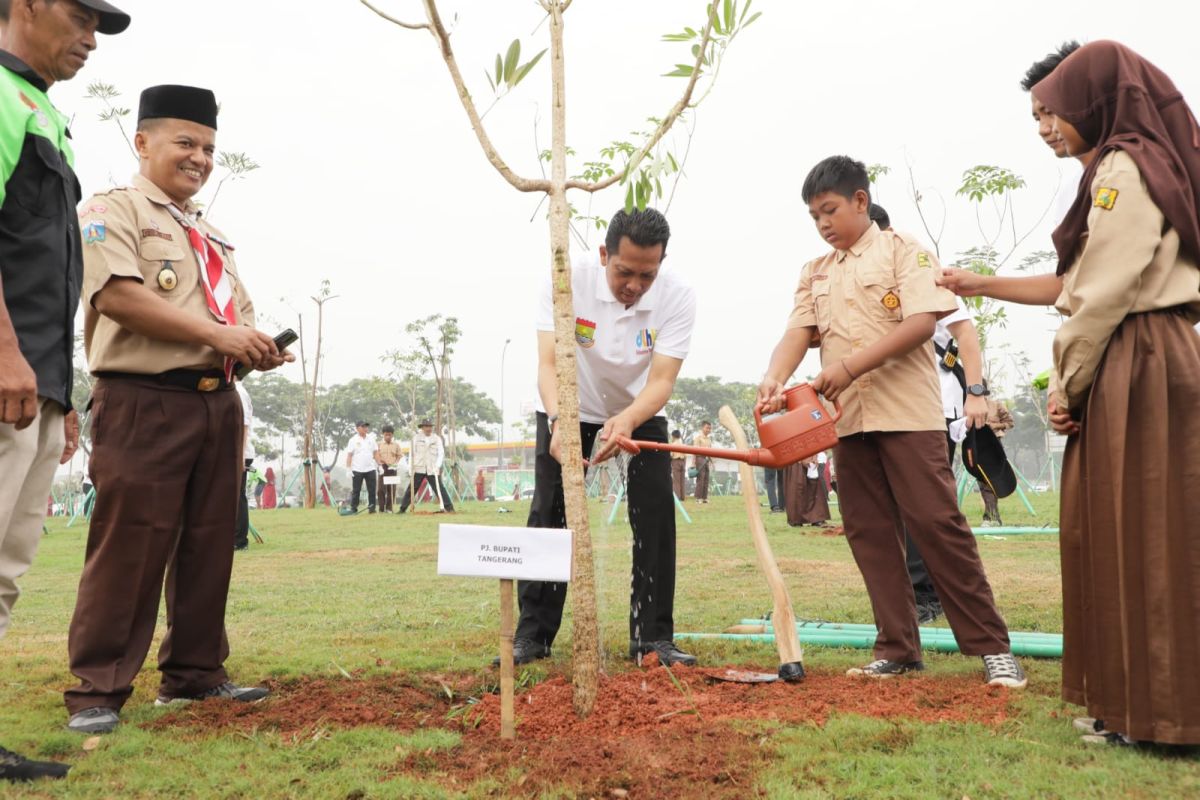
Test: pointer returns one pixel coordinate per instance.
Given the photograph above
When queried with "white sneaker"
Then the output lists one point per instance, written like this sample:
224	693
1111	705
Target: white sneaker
1003	670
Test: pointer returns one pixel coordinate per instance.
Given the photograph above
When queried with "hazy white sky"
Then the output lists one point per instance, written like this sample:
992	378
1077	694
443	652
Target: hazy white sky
372	178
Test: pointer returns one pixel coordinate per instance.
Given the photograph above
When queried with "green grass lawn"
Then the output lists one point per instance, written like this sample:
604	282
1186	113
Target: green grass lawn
334	597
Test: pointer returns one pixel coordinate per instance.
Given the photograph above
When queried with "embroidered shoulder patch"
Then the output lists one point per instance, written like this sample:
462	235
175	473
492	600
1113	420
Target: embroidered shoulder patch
923	260
585	332
1106	198
94	232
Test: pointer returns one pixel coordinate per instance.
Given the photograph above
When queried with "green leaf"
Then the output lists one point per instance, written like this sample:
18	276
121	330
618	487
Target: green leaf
524	70
499	70
745	11
680	71
629	199
491	83
511	59
728	15
753	17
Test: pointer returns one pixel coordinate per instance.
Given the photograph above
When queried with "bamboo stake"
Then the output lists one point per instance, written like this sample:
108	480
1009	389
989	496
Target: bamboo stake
507	725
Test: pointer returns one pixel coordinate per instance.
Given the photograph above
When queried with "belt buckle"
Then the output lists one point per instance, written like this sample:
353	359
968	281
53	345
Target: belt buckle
208	384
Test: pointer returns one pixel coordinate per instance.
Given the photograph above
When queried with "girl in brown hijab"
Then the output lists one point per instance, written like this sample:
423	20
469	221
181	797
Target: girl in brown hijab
1126	389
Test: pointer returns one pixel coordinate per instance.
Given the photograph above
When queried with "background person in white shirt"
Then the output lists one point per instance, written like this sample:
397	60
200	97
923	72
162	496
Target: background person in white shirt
426	464
362	457
241	534
633	327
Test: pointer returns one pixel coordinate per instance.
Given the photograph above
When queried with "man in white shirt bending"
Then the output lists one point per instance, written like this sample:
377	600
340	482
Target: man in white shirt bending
633	327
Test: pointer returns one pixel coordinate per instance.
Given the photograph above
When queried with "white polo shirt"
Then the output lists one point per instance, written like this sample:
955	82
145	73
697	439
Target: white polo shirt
362	451
614	344
952	391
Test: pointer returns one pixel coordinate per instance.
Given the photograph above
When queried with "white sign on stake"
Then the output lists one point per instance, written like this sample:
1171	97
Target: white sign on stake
486	551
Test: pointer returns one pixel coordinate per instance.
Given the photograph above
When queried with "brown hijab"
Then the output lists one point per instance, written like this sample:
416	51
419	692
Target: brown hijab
1118	100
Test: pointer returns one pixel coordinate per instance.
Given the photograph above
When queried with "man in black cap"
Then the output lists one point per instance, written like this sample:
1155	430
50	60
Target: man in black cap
166	318
41	42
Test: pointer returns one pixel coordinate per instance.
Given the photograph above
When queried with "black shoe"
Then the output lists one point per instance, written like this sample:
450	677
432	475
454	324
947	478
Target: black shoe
668	654
928	611
242	546
525	651
886	669
17	768
227	690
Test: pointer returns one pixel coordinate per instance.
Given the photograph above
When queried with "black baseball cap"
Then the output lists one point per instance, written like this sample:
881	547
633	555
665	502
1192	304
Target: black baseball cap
112	19
984	458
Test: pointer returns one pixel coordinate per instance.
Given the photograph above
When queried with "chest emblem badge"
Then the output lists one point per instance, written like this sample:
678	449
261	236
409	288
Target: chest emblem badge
890	301
585	332
168	279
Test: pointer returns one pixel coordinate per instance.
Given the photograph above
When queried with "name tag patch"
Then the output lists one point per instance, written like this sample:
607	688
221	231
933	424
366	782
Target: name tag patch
585	332
1106	198
148	232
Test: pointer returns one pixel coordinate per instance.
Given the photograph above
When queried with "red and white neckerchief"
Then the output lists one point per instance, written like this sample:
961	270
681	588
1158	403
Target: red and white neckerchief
218	290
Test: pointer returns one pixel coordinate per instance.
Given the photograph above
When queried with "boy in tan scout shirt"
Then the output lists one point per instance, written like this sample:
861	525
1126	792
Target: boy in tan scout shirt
871	305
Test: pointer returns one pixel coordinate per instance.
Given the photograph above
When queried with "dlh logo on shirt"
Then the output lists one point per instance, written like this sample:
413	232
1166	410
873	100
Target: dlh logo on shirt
645	340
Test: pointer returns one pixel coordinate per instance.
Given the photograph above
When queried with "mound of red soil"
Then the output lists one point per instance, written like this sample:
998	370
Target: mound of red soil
648	735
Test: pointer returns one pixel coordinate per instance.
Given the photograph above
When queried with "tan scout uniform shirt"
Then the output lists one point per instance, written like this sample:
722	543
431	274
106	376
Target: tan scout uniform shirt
856	297
1128	262
390	453
139	236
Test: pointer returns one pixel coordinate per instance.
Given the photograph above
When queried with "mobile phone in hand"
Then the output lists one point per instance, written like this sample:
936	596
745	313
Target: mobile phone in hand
282	341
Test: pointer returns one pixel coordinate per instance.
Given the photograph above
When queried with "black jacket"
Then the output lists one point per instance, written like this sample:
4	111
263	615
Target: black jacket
41	264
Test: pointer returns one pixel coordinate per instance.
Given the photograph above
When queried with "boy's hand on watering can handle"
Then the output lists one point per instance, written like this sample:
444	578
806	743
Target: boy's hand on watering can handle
770	395
832	381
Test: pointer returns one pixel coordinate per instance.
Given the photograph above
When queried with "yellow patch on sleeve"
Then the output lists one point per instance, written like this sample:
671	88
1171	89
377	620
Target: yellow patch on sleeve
923	260
1106	198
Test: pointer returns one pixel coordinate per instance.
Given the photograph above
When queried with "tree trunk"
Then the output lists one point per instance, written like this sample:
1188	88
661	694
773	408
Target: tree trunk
583	579
310	492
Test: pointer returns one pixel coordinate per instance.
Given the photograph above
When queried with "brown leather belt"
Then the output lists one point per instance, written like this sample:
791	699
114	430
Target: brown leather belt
198	380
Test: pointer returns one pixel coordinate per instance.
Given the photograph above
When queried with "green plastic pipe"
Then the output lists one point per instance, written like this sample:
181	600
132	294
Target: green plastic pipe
864	640
1012	530
925	632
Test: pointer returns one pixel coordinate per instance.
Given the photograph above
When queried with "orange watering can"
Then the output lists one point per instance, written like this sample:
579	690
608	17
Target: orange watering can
804	429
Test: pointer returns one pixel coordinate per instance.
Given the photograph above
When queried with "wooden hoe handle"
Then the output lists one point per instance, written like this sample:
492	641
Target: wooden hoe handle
784	620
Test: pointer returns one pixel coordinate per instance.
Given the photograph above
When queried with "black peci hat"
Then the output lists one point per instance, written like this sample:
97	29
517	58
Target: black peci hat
112	19
425	423
984	458
179	102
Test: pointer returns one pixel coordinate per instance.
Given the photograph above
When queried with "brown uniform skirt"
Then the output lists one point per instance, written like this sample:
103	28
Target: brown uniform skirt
1131	536
805	499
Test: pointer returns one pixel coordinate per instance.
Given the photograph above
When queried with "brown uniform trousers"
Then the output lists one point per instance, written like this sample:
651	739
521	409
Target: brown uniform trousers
166	463
677	473
886	477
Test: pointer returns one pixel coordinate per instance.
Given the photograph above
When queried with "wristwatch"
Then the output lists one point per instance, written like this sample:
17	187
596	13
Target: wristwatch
978	389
